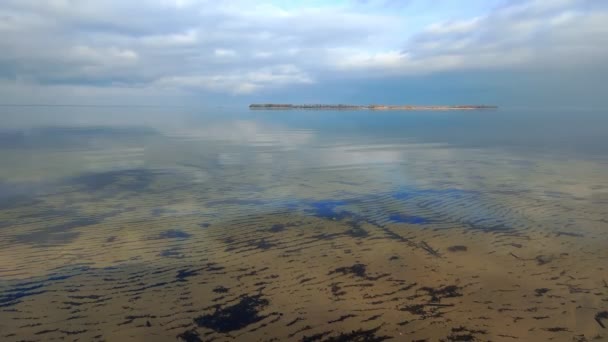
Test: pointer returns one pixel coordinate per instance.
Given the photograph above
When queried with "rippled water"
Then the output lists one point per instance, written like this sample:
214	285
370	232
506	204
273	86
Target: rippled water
159	224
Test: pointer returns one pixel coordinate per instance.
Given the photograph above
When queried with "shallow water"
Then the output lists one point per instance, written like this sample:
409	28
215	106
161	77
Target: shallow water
153	224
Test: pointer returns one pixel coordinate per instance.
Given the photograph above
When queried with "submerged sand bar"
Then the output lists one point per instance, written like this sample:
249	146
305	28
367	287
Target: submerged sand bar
365	107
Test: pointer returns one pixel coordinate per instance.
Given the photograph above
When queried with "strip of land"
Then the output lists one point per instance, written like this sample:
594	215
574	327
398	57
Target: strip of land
365	107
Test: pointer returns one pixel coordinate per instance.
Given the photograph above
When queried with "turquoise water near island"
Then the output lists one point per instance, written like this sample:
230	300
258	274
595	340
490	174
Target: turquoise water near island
159	223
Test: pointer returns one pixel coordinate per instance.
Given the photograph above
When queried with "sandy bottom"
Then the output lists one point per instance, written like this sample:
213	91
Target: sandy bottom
150	256
284	276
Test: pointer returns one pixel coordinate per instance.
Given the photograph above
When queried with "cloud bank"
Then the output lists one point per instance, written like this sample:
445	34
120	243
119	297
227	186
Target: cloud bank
91	48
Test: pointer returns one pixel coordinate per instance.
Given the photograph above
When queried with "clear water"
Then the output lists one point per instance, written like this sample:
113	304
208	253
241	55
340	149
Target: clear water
121	223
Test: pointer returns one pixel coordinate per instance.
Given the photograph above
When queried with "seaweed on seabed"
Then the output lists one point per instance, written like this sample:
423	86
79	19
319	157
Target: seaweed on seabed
415	309
234	317
221	289
359	335
261	244
173	234
357	232
437	294
600	316
342	318
432	251
464	334
556	329
277	228
315	337
183	274
540	292
358	270
457	248
190	336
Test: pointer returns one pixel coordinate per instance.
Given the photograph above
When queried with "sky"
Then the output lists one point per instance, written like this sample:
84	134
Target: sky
208	52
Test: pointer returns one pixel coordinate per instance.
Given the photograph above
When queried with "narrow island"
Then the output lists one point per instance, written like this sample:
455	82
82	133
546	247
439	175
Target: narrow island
265	106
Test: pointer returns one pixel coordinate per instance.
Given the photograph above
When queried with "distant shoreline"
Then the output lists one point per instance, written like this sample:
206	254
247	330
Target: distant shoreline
278	106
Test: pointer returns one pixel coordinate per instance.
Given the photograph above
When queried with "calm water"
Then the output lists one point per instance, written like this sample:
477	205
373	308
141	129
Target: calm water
159	224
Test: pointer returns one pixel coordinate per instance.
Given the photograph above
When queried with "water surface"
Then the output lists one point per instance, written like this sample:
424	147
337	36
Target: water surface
131	223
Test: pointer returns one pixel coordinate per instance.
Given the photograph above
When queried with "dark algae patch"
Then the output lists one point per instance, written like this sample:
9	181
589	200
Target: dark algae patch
414	309
556	329
426	247
234	317
261	244
172	253
183	274
174	234
277	228
221	289
294	321
464	334
357	232
600	317
190	336
437	294
358	270
457	248
359	335
315	337
373	318
569	234
342	318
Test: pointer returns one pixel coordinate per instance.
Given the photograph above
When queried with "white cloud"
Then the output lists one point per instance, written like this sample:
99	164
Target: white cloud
225	53
89	54
523	35
464	26
188	37
262	54
183	44
356	59
239	82
242	47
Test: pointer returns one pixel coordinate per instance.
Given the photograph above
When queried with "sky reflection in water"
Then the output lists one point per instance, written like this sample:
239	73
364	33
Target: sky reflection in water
131	202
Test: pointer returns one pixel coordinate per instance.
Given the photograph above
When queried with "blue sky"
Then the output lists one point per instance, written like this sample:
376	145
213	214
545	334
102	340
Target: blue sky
366	51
